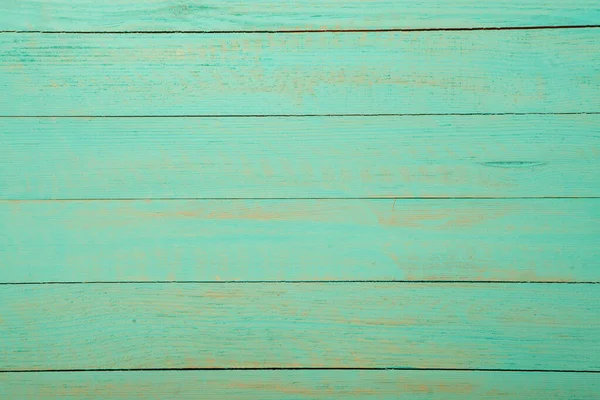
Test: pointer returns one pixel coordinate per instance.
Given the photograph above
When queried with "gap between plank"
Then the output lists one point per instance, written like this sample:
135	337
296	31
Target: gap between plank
300	369
301	282
306	115
288	31
294	198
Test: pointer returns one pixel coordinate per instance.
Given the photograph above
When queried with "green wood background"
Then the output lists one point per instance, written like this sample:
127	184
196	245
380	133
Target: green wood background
304	385
305	199
245	325
332	239
295	157
228	15
524	71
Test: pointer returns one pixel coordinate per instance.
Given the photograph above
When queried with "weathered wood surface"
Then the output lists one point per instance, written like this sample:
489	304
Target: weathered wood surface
545	71
428	156
300	385
165	15
223	325
516	240
120	220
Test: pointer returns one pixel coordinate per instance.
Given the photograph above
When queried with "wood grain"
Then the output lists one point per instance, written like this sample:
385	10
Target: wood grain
433	156
326	73
495	326
165	15
515	240
300	385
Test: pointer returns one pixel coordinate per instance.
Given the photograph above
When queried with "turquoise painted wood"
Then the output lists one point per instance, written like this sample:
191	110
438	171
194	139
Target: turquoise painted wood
425	201
431	156
110	15
264	325
514	240
541	71
301	385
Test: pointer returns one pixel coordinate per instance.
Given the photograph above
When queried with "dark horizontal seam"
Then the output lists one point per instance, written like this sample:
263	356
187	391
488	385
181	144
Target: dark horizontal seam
306	115
298	369
374	198
341	281
292	31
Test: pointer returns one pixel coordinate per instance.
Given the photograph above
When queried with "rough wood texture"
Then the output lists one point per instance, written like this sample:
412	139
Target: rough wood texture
299	385
157	205
437	156
513	239
165	15
496	326
390	72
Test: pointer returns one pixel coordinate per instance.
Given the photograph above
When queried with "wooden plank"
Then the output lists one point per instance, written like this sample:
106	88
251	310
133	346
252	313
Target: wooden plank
303	14
429	156
281	325
165	15
515	240
325	73
300	385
